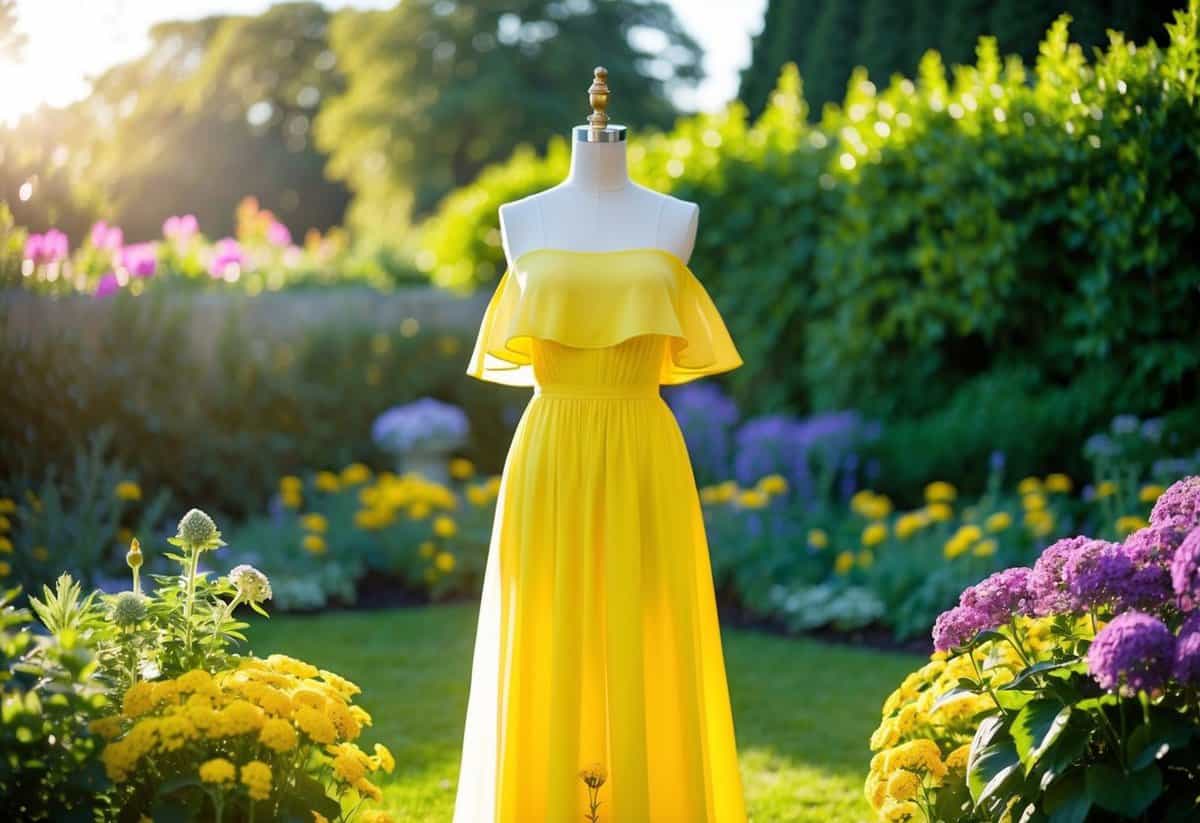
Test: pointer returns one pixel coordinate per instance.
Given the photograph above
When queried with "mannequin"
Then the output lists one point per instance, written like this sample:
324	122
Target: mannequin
597	207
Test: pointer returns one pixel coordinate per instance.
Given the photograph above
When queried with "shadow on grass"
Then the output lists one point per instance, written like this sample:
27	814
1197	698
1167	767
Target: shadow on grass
803	710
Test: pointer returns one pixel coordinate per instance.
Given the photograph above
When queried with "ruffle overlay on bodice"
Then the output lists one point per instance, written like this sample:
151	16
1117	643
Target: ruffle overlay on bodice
599	299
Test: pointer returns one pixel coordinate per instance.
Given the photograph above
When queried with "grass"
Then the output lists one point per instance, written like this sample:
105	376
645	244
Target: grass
803	710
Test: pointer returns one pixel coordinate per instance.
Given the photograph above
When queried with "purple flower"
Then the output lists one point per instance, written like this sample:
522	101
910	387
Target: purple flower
139	259
1135	652
1185	571
104	236
47	248
227	258
180	228
1186	668
1001	596
1047	588
957	627
791	446
705	415
1097	575
278	234
108	285
1155	545
1180	503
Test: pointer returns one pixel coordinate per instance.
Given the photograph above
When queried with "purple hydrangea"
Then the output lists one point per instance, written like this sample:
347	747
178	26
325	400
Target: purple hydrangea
1096	575
1135	652
957	627
1185	571
1186	668
1047	588
1154	545
1000	596
1179	504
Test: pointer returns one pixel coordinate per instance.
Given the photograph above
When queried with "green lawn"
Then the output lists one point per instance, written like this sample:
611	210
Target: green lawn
803	710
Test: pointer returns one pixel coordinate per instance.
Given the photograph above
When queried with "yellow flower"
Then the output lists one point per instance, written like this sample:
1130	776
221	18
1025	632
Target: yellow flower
940	512
7	505
128	490
939	491
348	768
773	484
478	495
445	562
461	468
1150	493
865	558
753	499
419	510
874	534
376	816
360	714
368	789
240	717
444	526
315	724
817	538
218	770
290	484
340	684
107	727
384	759
278	735
315	523
844	563
903	784
427	549
6	545
284	664
956	761
910	523
291	500
920	755
138	699
1058	483
871	505
41	554
1040	522
1033	502
256	776
327	481
985	548
1106	489
998	522
1030	485
355	473
899	811
1129	524
5	524
314	544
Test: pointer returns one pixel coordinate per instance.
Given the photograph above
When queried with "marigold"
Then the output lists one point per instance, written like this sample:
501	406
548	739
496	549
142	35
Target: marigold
289	665
940	491
315	724
874	534
445	562
138	699
384	759
128	490
278	735
773	484
904	785
313	544
343	686
218	770
1058	483
348	768
368	789
314	522
998	522
956	761
256	776
461	468
239	717
939	512
107	727
817	538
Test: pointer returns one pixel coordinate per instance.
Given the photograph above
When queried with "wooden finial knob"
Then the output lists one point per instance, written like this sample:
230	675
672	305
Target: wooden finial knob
598	98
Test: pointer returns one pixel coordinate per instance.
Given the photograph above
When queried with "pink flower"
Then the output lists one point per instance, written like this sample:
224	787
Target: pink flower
226	254
108	285
278	234
105	236
139	259
48	247
181	228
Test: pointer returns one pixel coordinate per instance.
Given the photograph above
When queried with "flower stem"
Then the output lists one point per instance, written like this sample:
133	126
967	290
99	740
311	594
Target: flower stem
988	686
188	601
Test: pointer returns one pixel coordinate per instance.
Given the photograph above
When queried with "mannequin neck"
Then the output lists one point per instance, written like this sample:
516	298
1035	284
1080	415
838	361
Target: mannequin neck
598	166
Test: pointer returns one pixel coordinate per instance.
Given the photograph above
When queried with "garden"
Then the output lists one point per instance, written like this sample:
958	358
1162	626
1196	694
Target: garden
952	497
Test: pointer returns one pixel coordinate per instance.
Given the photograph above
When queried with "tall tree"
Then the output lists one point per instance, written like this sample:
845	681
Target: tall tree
883	44
827	63
436	91
783	25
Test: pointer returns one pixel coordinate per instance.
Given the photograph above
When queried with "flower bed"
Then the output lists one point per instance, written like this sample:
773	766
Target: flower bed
1059	690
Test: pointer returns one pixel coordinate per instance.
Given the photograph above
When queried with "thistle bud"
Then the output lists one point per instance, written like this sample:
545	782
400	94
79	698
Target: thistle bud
134	557
128	609
197	529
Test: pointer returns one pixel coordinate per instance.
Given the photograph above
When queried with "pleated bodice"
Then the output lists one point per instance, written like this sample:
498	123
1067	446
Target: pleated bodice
630	368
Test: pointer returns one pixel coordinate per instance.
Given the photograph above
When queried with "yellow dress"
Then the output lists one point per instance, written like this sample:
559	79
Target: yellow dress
598	641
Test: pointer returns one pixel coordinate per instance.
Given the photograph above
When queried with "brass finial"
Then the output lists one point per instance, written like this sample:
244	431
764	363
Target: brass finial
598	98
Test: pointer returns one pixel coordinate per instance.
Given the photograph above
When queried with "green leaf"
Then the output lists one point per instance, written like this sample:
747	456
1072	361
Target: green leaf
1036	727
1124	794
1069	800
1036	669
993	760
1061	756
950	696
1150	742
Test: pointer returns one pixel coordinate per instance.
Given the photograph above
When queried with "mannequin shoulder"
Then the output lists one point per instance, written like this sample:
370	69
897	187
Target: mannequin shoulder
677	225
520	224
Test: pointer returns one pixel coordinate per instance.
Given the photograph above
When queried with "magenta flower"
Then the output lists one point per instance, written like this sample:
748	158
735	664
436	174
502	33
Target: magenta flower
108	285
278	234
1186	668
1179	504
104	236
1185	571
48	247
139	259
1135	652
227	254
957	627
181	228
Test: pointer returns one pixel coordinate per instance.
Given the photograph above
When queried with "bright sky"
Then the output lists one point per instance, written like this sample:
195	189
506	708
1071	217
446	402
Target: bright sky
70	40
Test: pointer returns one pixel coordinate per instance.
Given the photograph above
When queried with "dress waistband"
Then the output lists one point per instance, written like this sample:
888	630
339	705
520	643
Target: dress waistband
600	392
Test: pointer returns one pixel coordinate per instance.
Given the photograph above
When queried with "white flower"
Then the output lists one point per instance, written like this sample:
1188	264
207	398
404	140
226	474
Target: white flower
251	584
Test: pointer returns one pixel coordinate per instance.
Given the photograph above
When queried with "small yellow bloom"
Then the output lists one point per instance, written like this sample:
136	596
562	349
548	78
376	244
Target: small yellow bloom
874	534
384	758
904	785
445	562
444	526
5	524
290	484
910	523
314	544
1150	493
380	343
327	482
1040	522
1033	502
278	735
1106	489
419	510
844	563
355	473
984	548
5	568
315	522
6	545
256	776
41	554
479	495
128	490
773	484
998	522
753	499
1030	485
1059	483
218	770
865	559
940	491
291	500
7	505
461	468
939	512
427	549
1129	524
817	538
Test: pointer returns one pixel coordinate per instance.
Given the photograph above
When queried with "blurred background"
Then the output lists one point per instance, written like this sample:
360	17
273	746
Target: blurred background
244	249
